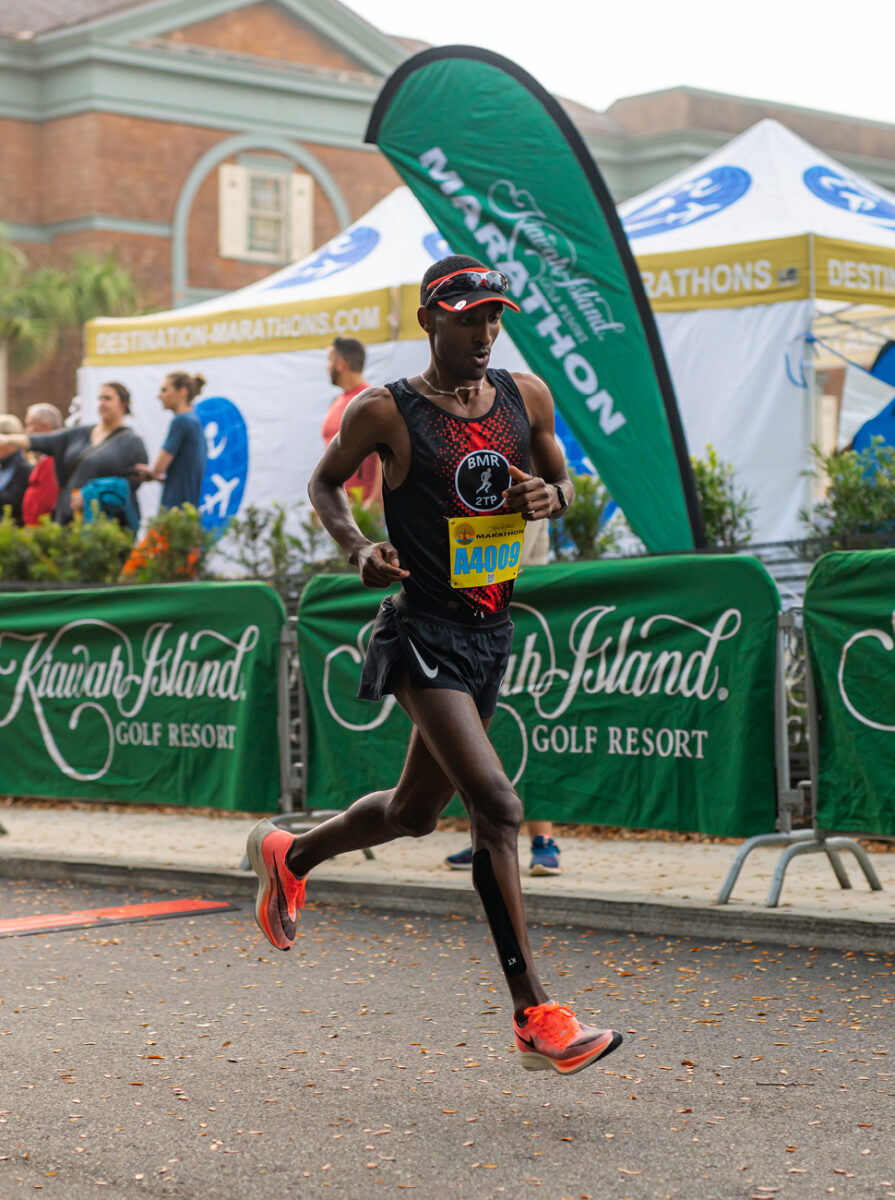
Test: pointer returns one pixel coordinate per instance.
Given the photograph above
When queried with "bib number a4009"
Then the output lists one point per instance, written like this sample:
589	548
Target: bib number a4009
485	549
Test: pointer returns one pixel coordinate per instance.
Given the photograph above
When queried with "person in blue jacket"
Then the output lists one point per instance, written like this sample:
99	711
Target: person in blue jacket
180	464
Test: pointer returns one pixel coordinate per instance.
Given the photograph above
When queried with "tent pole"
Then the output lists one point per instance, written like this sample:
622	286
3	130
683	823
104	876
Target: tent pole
810	374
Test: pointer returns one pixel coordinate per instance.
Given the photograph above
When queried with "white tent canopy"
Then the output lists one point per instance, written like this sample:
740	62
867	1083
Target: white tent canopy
767	183
740	255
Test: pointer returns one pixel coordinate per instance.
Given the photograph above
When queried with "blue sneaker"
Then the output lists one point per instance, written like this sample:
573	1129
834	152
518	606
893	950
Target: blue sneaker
544	857
461	861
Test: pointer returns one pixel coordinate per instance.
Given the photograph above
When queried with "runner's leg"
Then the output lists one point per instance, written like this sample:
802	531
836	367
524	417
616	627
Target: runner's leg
411	809
458	742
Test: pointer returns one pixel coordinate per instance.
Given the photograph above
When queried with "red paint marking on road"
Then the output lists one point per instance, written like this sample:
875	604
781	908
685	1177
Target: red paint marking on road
116	915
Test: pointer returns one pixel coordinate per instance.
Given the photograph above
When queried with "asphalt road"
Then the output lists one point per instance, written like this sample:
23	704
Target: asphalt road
183	1058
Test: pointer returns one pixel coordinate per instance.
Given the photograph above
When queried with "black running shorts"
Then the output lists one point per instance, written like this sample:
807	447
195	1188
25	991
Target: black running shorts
438	654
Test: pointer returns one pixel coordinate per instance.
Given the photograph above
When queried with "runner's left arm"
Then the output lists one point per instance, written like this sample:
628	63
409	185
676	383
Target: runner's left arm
535	495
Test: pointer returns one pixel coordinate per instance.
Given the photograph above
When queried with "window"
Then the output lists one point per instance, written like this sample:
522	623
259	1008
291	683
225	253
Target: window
265	213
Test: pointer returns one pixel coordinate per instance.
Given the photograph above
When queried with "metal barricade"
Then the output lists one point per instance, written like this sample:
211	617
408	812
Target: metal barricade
790	711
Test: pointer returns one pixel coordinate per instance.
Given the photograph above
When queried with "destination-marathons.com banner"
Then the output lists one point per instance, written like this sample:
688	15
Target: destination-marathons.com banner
160	693
301	325
850	627
638	694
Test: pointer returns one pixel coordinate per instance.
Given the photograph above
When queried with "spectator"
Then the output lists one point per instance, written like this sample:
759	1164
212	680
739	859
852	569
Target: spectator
86	452
180	463
14	467
43	488
346	365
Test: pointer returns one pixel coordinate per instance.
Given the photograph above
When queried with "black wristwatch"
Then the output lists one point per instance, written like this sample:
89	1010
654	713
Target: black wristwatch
563	503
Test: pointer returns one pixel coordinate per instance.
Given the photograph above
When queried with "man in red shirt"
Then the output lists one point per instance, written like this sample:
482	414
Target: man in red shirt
40	495
345	365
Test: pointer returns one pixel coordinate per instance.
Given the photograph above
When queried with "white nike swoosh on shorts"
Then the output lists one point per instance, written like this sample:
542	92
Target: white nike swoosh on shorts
429	672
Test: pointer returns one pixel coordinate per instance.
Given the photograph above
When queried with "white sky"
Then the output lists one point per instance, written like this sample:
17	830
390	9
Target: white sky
832	55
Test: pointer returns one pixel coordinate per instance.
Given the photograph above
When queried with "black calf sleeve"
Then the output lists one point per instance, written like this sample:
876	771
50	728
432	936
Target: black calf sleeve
504	935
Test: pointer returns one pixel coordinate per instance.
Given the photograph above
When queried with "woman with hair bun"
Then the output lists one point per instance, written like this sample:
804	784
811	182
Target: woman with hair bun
180	463
89	452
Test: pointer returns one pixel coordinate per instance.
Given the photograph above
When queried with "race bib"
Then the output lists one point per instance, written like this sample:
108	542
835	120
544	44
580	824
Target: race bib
485	549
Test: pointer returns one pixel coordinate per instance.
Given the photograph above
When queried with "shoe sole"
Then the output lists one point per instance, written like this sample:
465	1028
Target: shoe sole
540	869
532	1061
265	883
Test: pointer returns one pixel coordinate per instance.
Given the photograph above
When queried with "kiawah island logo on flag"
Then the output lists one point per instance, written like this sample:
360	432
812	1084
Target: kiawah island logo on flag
90	688
651	708
175	709
850	634
541	262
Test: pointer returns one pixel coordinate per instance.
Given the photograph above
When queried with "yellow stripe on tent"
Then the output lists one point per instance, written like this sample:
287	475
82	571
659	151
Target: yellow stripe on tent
727	276
859	273
304	325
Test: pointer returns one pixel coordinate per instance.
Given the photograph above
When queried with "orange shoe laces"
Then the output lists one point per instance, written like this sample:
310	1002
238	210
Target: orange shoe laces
292	886
295	897
554	1023
295	893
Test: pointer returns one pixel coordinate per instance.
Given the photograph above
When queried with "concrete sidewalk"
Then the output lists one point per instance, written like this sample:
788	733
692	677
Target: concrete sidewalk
668	887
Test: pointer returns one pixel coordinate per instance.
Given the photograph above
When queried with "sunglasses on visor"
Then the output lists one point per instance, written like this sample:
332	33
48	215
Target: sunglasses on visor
460	282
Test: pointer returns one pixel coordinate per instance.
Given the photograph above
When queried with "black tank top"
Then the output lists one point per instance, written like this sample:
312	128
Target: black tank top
458	467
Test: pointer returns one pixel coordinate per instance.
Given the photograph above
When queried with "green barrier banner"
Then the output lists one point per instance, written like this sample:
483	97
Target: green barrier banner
651	707
525	196
162	693
849	624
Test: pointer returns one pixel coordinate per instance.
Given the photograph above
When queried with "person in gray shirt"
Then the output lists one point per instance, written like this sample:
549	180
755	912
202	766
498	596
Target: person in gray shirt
87	452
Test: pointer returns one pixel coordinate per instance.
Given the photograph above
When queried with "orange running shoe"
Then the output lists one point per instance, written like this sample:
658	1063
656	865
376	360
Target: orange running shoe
553	1038
280	895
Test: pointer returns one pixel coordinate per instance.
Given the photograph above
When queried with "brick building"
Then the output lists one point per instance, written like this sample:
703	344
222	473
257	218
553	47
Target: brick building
207	142
210	141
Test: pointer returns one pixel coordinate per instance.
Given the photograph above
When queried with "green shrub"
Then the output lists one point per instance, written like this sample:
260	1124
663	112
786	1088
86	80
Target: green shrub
726	512
859	506
583	522
260	544
15	553
75	553
174	549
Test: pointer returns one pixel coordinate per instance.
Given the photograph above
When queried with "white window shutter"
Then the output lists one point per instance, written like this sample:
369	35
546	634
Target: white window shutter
232	210
301	215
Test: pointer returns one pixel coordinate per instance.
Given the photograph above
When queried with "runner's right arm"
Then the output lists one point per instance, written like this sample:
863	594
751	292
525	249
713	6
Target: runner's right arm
364	429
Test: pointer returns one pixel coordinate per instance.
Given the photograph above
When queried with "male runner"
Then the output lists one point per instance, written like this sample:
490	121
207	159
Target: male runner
441	644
